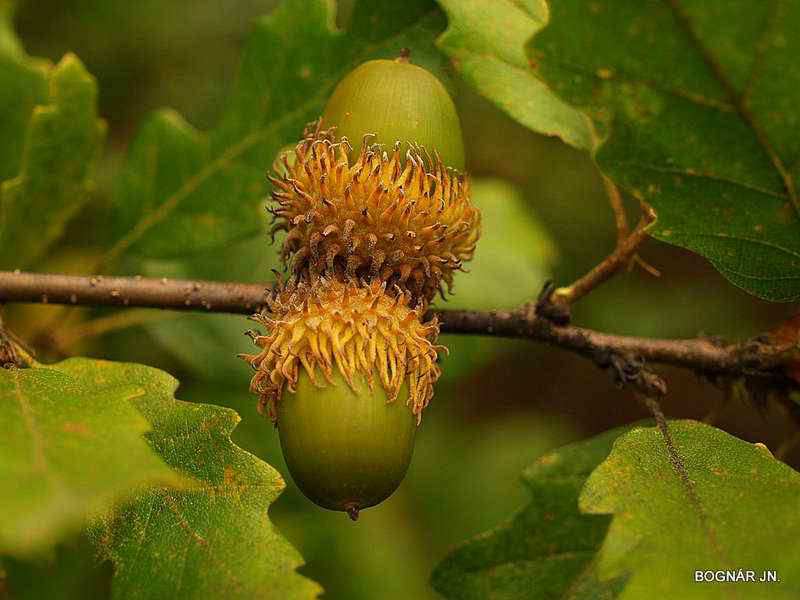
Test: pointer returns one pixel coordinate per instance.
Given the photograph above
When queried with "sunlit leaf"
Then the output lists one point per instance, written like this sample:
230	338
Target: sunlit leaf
735	507
212	541
72	446
486	41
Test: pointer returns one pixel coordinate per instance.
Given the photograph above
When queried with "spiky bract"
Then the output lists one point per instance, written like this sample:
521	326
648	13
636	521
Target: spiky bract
355	328
406	220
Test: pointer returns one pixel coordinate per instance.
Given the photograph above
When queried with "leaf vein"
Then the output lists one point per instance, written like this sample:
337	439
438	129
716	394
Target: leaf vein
692	173
738	101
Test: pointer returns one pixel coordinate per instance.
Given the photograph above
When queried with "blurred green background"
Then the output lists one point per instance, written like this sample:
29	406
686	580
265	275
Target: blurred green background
500	403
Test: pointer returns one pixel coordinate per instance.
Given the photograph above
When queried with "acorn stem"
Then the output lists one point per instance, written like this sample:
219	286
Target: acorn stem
352	512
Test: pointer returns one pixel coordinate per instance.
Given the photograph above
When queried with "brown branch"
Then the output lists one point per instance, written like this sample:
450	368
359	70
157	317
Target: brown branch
175	294
623	355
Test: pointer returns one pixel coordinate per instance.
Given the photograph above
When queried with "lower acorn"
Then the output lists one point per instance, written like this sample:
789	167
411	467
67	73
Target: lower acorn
345	371
347	448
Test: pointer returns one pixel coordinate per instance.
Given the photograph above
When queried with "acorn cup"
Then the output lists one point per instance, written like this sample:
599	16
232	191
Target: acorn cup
394	209
344	372
377	221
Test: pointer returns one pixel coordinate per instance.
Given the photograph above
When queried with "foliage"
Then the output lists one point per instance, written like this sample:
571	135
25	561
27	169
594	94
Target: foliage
545	551
205	535
699	121
486	41
734	505
72	446
111	486
561	545
53	109
206	542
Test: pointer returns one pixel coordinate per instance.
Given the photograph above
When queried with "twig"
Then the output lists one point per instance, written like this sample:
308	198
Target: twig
143	292
613	263
623	229
556	305
617	207
753	358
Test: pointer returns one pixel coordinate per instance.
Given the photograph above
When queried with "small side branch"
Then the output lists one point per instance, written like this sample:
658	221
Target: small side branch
618	208
555	303
612	264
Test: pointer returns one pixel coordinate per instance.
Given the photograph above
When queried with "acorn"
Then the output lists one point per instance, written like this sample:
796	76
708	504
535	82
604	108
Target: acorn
395	100
396	209
347	363
345	371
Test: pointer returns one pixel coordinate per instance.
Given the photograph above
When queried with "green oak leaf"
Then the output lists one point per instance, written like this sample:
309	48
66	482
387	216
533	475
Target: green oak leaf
486	41
62	138
185	191
72	446
737	508
212	541
699	103
547	550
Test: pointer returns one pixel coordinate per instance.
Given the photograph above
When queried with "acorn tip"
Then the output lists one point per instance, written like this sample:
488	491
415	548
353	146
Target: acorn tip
352	511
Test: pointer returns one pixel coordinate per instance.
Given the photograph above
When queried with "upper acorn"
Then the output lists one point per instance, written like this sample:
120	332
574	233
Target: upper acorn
392	207
396	100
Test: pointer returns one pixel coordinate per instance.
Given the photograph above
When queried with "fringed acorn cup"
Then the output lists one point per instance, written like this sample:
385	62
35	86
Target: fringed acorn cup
359	368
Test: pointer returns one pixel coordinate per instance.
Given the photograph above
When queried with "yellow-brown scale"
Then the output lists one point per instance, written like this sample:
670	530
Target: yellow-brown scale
358	330
406	220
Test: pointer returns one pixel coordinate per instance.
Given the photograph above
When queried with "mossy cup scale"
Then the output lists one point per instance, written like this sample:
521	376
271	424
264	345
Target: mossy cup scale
346	449
396	101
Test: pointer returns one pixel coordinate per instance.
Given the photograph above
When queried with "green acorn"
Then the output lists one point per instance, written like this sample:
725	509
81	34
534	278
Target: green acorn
401	215
394	100
373	232
344	371
354	460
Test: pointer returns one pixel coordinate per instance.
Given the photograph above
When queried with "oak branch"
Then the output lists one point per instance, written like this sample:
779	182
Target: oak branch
623	355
